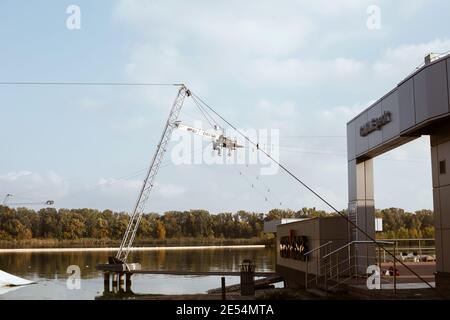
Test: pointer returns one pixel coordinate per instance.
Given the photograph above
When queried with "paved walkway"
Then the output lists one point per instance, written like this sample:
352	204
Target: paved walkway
424	269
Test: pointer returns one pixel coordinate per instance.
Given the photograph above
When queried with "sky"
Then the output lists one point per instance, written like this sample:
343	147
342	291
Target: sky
296	70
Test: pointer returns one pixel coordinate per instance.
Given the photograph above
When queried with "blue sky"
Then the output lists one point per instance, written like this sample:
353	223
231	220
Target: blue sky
302	67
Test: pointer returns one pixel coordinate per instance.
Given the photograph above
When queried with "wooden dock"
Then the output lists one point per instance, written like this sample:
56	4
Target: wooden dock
117	278
134	269
259	284
202	273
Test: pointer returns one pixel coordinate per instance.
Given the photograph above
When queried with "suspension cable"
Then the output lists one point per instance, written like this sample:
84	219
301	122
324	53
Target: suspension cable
206	113
269	190
266	197
202	112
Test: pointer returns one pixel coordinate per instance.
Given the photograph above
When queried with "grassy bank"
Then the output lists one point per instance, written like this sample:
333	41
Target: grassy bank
101	243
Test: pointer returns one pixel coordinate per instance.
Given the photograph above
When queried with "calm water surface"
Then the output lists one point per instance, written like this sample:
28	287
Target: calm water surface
49	270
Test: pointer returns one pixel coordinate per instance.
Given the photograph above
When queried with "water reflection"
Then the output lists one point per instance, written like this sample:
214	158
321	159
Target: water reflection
49	265
49	269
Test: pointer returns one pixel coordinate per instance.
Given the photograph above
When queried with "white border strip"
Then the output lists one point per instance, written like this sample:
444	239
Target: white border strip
258	246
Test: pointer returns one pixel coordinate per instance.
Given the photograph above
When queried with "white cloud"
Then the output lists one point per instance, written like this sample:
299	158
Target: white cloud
91	104
270	114
170	191
131	124
295	72
345	113
394	183
122	192
208	49
12	176
215	47
398	62
335	8
104	184
234	26
33	186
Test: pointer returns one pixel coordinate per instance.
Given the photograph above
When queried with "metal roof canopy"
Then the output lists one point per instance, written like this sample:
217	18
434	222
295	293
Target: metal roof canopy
416	105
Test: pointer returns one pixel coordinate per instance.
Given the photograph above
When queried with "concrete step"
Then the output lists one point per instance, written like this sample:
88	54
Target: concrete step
317	292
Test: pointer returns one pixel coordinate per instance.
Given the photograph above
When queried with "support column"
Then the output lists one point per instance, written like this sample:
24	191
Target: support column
247	278
224	290
440	155
114	282
361	210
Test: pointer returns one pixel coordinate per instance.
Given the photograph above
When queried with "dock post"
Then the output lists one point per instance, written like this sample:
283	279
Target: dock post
247	278
106	282
224	290
121	281
128	281
114	282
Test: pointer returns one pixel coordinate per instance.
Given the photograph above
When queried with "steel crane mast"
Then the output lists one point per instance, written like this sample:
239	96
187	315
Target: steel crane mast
147	186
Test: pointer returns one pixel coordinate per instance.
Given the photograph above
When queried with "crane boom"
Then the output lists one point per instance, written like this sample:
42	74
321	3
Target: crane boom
130	233
219	140
196	131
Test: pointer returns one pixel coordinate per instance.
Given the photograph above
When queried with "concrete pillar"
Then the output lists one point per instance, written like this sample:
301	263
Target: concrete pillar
440	157
362	209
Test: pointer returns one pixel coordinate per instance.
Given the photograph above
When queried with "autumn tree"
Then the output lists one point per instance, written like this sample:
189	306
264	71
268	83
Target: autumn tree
160	230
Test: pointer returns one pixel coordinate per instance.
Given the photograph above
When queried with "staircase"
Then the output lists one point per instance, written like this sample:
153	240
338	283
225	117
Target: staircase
335	272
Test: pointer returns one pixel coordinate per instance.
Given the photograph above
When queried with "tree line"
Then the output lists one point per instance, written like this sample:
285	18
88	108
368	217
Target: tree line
73	224
399	224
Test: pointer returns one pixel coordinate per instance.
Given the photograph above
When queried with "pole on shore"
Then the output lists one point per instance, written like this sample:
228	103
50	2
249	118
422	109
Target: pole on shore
224	290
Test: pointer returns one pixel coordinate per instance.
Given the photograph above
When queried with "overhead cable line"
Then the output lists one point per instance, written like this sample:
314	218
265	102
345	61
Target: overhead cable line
38	83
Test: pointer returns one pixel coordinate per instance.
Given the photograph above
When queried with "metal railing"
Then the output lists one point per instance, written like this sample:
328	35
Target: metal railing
349	263
344	264
316	276
415	249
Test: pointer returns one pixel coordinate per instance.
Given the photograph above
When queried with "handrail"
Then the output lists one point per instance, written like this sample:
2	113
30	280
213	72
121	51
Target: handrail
355	242
338	271
409	239
318	266
320	247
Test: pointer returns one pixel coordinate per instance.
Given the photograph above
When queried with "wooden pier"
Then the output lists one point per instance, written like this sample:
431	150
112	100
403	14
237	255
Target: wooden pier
259	284
117	277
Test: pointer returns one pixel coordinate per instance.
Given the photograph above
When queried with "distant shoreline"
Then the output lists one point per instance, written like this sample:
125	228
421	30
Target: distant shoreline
31	250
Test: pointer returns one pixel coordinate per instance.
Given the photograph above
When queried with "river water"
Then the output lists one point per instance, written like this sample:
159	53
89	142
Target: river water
49	271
